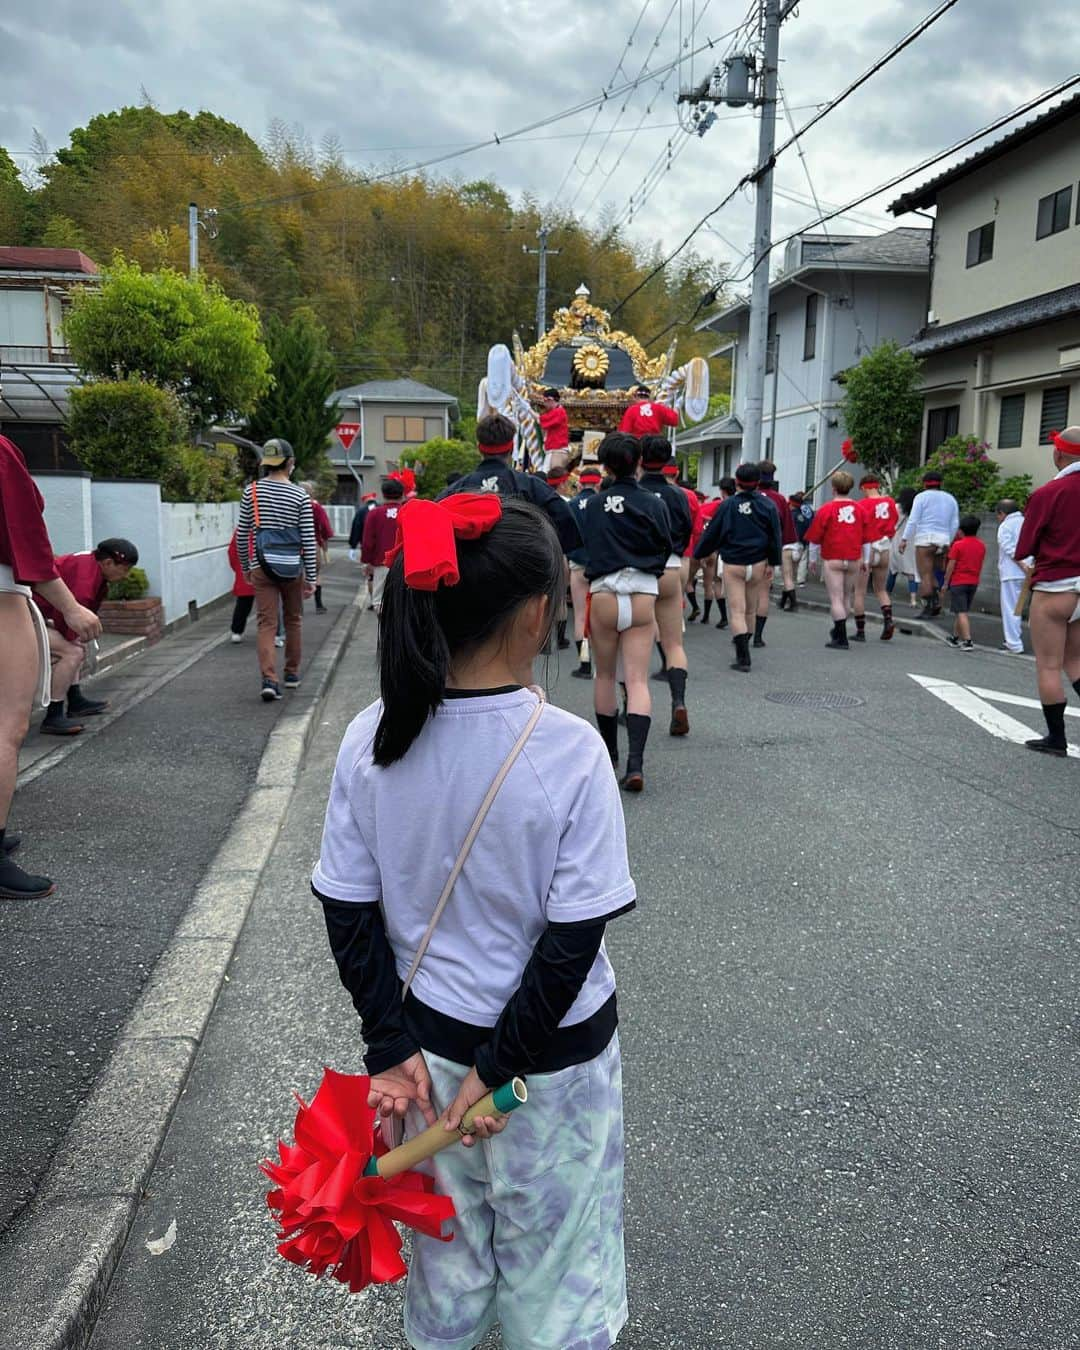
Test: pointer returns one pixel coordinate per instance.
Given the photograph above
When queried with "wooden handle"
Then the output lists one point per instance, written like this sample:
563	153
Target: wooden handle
436	1137
1024	597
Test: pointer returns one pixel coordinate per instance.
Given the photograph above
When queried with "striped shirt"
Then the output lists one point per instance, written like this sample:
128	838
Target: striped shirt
282	505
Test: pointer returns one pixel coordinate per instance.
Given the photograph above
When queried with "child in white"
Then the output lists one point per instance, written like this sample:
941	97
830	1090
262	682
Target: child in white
515	979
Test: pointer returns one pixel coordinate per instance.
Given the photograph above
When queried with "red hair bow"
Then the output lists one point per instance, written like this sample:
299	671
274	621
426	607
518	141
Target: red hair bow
428	533
849	452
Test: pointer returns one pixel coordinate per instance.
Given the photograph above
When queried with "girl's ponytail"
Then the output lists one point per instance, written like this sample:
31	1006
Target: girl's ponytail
414	661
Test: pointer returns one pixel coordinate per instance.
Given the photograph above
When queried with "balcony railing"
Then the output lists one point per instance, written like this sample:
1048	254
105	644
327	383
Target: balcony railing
34	356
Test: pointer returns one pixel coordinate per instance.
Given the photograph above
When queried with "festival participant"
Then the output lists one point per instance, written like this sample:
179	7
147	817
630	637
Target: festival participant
559	482
837	536
242	589
745	531
556	428
1051	535
967	554
902	564
495	439
356	532
87	576
645	417
789	555
380	535
589	480
514	978
1011	573
324	532
628	542
655	455
879	516
705	566
931	528
26	564
802	513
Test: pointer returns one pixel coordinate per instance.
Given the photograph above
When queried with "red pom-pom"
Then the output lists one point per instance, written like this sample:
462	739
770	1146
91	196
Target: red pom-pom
849	452
333	1219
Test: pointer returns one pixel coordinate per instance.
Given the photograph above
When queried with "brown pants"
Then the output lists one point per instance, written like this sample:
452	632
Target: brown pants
267	595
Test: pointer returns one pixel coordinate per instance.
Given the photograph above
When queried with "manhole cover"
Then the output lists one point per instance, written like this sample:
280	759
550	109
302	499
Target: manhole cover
820	702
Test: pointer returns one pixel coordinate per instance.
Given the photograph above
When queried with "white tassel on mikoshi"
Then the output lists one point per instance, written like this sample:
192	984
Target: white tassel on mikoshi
687	389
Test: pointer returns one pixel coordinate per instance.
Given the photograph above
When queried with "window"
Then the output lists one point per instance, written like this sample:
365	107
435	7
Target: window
772	345
809	344
1054	213
1011	422
768	447
403	429
717	467
980	245
941	423
1055	412
811	464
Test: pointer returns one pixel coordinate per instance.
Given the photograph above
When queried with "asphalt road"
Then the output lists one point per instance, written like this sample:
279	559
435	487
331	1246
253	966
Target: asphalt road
126	825
848	1023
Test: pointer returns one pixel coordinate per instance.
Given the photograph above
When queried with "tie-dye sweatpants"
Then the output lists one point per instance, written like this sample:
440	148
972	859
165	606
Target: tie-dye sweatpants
538	1238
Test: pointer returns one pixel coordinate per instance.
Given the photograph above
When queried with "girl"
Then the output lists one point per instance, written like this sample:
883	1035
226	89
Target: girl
627	533
746	533
838	535
515	979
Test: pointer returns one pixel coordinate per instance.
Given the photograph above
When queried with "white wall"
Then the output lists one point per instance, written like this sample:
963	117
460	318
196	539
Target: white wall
196	541
132	510
67	511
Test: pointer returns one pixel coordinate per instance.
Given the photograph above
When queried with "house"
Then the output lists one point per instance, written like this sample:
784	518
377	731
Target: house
387	418
1001	342
36	369
835	299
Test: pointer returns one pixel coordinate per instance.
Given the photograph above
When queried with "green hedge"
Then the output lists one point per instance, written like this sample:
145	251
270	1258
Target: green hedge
126	428
436	458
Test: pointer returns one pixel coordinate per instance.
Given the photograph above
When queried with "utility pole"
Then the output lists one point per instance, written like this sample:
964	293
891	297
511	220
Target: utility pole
758	338
199	220
541	288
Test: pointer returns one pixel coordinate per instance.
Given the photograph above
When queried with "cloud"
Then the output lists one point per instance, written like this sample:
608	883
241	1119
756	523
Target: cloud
398	82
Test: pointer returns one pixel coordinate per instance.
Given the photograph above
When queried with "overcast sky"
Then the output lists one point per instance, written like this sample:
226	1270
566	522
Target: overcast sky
405	81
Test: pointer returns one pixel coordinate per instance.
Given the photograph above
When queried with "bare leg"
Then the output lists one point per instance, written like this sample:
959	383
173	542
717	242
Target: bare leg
879	576
836	583
787	569
579	590
18	679
762	587
925	558
67	659
1051	639
735	587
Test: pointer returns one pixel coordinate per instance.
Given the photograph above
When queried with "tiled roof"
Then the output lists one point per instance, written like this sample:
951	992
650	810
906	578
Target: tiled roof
45	260
996	322
926	195
393	391
726	428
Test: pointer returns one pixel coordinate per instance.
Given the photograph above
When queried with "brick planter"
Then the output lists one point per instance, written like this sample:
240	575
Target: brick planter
134	618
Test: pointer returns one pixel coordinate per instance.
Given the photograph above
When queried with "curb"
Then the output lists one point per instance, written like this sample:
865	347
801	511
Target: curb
58	1259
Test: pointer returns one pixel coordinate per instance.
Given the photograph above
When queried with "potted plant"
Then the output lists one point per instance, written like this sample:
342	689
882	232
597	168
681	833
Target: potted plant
129	610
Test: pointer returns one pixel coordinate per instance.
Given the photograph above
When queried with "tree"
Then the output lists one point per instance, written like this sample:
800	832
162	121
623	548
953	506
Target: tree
126	428
882	408
304	376
14	202
182	333
437	458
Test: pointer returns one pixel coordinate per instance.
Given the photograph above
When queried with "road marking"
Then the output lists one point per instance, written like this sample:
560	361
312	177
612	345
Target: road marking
982	713
995	696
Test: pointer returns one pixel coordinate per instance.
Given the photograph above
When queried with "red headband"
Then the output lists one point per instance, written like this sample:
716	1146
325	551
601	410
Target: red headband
672	470
406	478
1065	447
870	482
849	452
590	476
428	532
503	449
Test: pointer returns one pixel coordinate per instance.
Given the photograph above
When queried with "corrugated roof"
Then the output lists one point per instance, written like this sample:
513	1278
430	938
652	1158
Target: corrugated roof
46	260
996	322
393	391
926	195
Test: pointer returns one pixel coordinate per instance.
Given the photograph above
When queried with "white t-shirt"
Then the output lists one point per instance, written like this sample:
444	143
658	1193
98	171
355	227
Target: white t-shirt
552	849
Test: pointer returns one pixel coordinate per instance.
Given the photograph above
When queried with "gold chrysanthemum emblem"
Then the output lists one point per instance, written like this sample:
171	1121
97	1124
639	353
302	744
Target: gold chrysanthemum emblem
591	363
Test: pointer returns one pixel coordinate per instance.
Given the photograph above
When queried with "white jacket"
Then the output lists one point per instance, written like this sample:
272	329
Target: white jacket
933	512
1008	534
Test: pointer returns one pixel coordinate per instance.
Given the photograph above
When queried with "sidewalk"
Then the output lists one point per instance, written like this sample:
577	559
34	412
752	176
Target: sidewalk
126	818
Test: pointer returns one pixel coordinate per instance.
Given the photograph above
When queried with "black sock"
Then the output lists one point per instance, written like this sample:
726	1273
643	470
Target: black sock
722	606
56	710
74	692
860	623
886	613
841	630
677	680
608	726
1055	722
708	608
663	658
637	730
318	597
759	627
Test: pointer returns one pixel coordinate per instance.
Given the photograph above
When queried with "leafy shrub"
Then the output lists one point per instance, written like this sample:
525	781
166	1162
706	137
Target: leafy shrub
203	473
436	458
1017	486
133	587
126	428
882	408
967	471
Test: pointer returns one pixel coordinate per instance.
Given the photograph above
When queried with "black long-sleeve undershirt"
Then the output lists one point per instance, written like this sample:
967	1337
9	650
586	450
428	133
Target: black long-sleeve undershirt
551	981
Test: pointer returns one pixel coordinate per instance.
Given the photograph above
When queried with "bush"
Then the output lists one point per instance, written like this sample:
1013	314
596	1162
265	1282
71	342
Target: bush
126	428
436	458
882	408
967	471
203	473
1017	486
133	587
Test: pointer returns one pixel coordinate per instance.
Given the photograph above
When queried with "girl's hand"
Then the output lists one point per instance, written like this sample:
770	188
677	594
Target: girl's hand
392	1091
470	1092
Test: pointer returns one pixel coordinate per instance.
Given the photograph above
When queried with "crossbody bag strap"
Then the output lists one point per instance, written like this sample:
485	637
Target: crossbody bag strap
255	501
470	838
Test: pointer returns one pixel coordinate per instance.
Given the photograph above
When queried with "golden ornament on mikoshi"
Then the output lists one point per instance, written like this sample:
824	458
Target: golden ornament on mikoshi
591	363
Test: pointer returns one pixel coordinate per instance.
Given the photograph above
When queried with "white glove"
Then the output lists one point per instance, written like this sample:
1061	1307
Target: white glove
352	555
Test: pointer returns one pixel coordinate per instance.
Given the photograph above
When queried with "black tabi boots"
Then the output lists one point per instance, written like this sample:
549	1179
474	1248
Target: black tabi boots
1054	742
560	635
759	628
320	608
860	628
15	884
78	705
890	628
637	728
838	635
662	673
792	601
707	611
608	726
742	652
694	611
722	607
55	723
680	720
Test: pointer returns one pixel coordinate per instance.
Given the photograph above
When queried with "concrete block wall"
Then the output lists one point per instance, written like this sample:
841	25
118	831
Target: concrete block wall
196	542
68	514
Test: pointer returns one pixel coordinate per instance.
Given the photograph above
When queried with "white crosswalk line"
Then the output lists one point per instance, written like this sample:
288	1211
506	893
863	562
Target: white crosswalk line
982	713
1015	700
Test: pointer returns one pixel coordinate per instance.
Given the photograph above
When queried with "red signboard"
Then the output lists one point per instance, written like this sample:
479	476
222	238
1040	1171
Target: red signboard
347	432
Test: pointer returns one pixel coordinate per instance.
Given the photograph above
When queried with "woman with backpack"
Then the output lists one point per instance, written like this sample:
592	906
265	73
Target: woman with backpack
277	546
